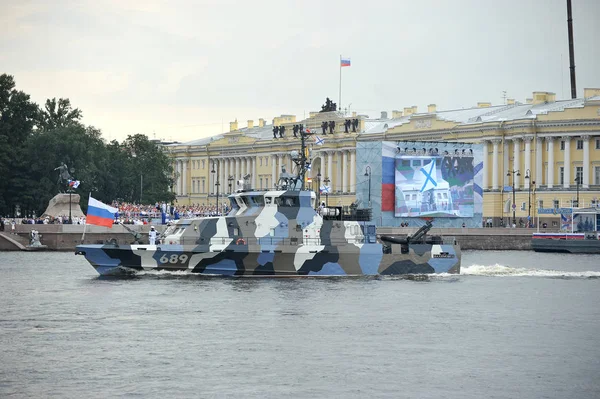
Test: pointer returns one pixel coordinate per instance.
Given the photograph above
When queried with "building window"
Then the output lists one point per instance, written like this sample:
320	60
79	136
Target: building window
579	174
203	185
580	144
555	204
561	175
266	182
259	161
540	204
597	175
266	161
523	206
260	180
562	145
203	164
598	144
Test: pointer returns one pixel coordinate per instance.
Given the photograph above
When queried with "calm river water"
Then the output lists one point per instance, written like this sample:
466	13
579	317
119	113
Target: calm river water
513	325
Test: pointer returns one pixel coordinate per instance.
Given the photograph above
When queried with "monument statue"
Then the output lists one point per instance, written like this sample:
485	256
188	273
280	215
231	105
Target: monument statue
63	174
329	106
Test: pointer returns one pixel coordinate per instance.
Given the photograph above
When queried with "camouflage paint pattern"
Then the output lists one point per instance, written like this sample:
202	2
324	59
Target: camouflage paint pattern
274	233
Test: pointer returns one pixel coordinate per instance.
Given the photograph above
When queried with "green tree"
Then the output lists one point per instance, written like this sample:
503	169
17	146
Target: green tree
58	114
17	120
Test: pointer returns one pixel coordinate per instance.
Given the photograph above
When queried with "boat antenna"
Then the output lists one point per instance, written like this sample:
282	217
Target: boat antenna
303	160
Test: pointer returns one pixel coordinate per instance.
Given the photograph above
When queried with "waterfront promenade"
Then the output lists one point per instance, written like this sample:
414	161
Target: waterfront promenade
64	237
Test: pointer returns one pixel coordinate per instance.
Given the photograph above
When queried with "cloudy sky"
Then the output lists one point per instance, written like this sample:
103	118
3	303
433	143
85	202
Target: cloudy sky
183	69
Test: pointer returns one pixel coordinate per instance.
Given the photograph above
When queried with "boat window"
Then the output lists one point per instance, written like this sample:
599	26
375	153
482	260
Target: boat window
445	195
278	201
290	201
258	200
405	162
272	232
414	197
407	197
245	201
268	200
416	162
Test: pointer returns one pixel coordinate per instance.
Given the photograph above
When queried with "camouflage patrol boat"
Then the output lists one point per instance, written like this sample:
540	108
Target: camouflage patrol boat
281	232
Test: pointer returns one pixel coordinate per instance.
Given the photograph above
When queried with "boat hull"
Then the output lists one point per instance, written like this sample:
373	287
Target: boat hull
566	246
347	260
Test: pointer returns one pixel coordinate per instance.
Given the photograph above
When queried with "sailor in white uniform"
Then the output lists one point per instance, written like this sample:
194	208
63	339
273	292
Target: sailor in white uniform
152	236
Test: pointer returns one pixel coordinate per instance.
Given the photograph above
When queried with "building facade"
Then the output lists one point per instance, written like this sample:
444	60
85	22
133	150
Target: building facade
543	153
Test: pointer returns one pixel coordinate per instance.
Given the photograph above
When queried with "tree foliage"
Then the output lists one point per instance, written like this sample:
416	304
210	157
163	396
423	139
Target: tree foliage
34	142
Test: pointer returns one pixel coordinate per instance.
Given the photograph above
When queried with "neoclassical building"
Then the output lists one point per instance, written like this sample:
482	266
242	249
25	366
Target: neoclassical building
548	150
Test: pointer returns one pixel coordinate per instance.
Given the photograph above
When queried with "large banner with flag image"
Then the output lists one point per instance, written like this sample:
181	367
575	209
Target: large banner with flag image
431	179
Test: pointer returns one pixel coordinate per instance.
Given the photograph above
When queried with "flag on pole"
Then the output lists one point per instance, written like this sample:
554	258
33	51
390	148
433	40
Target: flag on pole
344	62
325	189
100	214
74	183
319	141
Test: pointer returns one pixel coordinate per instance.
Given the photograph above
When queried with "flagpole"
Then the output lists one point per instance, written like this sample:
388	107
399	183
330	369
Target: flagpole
340	96
85	224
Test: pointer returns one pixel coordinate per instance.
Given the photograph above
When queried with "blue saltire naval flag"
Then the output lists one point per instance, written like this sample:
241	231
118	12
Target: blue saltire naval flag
318	140
430	176
325	189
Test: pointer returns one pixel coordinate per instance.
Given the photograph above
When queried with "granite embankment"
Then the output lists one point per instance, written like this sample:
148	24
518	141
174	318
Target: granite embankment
66	237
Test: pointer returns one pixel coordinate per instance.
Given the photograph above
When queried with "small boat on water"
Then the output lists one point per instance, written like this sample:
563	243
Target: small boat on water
281	232
575	243
581	235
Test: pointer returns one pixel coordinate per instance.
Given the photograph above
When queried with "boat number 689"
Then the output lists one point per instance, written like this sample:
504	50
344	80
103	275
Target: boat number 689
173	258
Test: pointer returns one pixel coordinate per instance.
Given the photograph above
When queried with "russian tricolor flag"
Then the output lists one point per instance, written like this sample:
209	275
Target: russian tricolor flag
344	62
100	214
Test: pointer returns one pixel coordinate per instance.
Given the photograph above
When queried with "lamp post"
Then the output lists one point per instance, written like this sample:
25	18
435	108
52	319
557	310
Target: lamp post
326	182
213	171
577	180
319	188
514	206
230	179
368	173
532	183
70	191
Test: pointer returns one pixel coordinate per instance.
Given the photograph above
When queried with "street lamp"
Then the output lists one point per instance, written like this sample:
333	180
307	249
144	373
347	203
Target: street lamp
368	174
230	179
70	191
326	182
213	171
514	206
577	180
532	183
319	188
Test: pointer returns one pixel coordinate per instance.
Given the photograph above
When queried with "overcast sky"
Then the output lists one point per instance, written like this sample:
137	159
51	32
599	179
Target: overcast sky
183	69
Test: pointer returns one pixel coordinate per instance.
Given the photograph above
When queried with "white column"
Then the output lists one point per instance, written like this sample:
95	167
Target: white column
539	161
330	167
496	144
517	161
485	165
550	181
177	177
338	174
506	163
353	171
344	170
238	168
273	170
567	162
245	166
224	183
586	161
211	181
527	182
254	175
184	175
